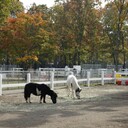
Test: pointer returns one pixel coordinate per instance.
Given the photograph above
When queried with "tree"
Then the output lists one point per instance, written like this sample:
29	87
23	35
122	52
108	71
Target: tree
50	49
15	7
4	11
114	22
8	7
24	38
72	21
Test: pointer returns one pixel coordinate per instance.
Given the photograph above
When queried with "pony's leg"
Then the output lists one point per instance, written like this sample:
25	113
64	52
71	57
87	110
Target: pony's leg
41	98
29	100
44	98
26	99
68	90
73	93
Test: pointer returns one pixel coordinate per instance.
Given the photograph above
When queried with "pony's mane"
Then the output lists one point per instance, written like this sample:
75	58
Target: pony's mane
51	93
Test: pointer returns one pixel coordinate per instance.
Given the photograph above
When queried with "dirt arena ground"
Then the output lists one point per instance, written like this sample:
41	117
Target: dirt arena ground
99	107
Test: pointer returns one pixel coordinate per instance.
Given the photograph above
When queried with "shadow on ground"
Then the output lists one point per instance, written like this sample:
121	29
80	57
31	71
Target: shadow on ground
114	105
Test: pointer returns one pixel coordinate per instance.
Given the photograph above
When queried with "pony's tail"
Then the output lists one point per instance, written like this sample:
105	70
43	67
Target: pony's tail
25	94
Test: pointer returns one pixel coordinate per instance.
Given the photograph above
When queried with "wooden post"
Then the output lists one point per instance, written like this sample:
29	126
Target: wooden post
88	78
28	77
0	84
114	77
102	77
52	80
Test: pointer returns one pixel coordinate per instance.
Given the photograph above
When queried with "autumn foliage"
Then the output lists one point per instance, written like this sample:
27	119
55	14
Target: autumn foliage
24	37
70	33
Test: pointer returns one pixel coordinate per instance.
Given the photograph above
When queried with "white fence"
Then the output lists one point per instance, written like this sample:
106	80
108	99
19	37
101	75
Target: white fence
52	82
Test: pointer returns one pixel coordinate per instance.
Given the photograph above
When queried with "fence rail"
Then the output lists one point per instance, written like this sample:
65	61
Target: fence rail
52	80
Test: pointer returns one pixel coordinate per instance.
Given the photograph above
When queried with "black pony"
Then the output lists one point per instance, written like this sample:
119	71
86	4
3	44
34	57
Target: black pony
39	90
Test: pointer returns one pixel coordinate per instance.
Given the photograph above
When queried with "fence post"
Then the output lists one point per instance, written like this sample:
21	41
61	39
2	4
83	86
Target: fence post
114	77
0	84
102	77
28	77
88	78
52	80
